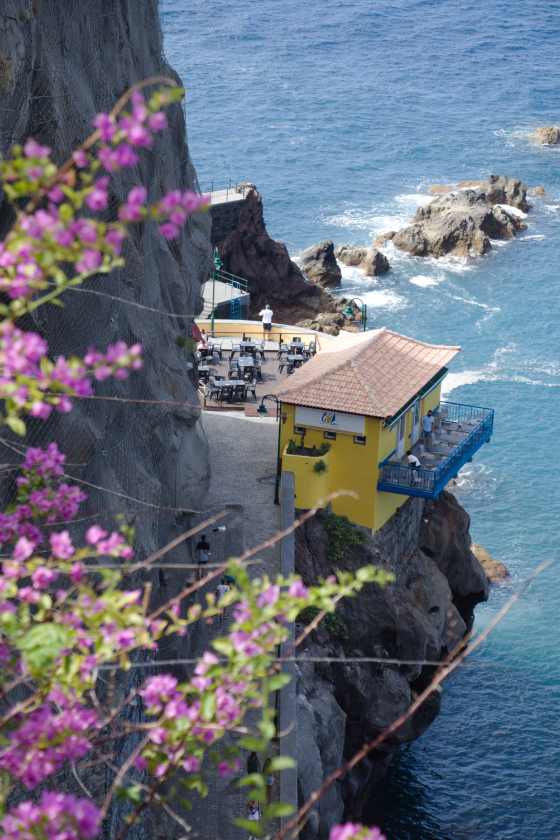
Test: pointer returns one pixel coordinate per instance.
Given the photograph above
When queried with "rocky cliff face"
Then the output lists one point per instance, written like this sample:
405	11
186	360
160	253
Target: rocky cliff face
421	616
61	62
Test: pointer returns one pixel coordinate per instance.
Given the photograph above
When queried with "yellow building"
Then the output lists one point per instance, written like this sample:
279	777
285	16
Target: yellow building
365	395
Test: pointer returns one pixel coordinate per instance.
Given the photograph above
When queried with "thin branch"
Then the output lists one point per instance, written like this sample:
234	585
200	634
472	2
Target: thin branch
124	496
445	671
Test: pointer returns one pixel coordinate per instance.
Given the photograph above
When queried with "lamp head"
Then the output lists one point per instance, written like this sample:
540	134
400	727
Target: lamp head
217	261
349	312
262	409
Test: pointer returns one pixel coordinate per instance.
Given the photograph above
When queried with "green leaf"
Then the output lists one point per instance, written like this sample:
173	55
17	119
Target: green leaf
251	779
41	645
207	706
16	424
133	793
281	809
278	681
282	762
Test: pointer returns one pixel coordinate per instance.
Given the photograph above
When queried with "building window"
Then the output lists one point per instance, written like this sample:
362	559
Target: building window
299	430
330	435
359	439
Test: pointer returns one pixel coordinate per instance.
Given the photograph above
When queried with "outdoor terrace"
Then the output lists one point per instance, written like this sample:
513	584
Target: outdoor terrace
459	432
269	372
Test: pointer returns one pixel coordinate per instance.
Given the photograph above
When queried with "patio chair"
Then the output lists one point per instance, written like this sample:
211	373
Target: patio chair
217	348
283	349
235	348
284	364
259	350
239	392
257	370
312	348
225	393
296	338
251	389
212	391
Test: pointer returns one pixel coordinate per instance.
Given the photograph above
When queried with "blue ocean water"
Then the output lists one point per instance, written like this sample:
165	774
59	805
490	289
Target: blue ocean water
343	112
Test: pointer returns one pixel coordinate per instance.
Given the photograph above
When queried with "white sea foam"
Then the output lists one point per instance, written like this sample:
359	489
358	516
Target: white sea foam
383	298
515	211
536	236
423	280
476	303
414	199
457	380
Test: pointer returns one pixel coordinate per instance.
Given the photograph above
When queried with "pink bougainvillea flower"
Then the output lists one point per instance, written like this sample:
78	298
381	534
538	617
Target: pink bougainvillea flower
61	545
169	230
106	126
32	149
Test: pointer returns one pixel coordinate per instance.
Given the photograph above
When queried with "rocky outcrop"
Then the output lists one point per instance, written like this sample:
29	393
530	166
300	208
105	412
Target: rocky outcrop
546	135
372	262
461	223
537	191
502	190
440	189
319	264
332	323
493	569
421	616
273	278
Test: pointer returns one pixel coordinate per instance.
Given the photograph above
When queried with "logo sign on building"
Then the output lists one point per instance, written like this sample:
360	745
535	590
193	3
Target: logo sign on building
334	421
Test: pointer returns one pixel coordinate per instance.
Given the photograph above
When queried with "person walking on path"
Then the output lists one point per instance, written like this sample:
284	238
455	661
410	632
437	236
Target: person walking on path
427	421
253	764
203	555
253	813
266	315
221	590
270	778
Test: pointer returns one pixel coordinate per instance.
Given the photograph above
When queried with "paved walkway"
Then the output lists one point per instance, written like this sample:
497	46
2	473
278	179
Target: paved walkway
242	451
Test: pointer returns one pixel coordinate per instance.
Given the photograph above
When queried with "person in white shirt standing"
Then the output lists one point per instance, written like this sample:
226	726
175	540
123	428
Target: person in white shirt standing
427	428
220	592
266	315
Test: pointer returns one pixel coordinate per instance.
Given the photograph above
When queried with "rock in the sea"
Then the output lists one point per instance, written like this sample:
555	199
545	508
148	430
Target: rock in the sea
502	190
546	135
383	238
460	223
493	569
440	189
319	264
537	191
372	262
328	322
249	252
349	255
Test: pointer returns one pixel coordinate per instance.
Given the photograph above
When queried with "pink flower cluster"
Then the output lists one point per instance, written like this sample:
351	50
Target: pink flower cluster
115	361
19	268
27	758
177	206
46	463
355	831
20	354
58	816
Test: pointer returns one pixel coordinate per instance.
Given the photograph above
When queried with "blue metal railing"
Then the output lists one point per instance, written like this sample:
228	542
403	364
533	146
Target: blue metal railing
396	478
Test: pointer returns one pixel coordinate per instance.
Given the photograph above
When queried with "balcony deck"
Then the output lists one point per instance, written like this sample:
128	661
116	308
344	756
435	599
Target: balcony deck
460	431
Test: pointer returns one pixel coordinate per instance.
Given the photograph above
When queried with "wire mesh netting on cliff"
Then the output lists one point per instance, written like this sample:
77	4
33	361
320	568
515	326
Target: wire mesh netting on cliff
128	449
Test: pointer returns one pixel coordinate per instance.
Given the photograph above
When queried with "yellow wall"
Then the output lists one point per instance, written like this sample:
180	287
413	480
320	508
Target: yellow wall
353	466
253	329
310	487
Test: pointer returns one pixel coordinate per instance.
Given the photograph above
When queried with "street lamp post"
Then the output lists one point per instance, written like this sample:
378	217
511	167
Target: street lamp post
215	275
262	409
349	312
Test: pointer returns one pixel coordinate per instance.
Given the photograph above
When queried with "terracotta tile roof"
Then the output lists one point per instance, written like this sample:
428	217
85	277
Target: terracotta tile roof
374	373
